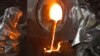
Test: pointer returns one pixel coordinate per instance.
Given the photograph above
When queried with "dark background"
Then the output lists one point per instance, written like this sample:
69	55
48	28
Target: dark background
34	38
37	38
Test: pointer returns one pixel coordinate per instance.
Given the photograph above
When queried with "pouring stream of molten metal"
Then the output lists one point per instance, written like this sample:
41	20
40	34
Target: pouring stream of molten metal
56	15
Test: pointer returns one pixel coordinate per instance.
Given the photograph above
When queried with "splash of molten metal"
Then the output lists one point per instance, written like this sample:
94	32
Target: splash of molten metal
54	50
56	15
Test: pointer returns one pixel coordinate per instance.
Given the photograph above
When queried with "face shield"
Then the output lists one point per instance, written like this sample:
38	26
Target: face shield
12	16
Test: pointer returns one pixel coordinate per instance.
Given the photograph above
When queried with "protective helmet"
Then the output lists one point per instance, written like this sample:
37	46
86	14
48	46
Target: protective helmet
12	16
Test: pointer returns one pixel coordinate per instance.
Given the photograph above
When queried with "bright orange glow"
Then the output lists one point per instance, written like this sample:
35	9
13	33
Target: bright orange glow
14	35
56	15
54	50
53	36
52	42
55	12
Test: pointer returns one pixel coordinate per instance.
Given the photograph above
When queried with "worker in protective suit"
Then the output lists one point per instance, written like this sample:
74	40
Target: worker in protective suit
86	22
9	35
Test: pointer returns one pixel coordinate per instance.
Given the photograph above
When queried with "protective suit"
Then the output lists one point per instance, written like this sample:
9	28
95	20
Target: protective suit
9	35
88	30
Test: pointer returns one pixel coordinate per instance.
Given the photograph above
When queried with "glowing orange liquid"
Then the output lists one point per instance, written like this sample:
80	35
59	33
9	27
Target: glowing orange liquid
53	40
56	15
53	35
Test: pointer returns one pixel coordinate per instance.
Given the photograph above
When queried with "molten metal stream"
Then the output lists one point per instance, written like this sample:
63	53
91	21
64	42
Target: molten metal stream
53	35
53	40
56	15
